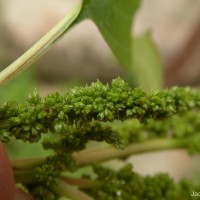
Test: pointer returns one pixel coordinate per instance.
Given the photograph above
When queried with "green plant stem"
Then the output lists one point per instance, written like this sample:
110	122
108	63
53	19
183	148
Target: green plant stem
107	153
24	169
38	49
81	182
71	192
26	164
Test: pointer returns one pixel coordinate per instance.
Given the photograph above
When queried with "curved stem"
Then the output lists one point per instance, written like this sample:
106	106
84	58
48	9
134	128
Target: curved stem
41	46
81	182
24	173
71	192
107	153
25	164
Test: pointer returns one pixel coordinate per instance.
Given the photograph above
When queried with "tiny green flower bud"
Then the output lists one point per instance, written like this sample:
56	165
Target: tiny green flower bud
42	114
4	136
16	120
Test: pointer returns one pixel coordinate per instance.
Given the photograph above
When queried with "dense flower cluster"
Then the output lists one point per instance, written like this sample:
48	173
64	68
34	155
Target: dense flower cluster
184	127
56	113
126	184
94	112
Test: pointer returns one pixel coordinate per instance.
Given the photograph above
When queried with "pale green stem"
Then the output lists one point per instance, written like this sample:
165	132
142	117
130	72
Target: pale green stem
105	153
38	49
25	164
71	192
81	182
101	154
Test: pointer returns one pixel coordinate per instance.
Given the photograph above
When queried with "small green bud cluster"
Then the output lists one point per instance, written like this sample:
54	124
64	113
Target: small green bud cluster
41	192
82	114
47	175
77	138
185	126
126	184
78	107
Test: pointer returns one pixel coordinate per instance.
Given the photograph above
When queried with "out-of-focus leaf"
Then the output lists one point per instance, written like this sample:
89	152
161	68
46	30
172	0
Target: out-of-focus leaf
114	19
147	68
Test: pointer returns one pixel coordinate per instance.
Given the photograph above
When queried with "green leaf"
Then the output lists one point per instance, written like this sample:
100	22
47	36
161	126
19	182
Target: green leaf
114	19
147	68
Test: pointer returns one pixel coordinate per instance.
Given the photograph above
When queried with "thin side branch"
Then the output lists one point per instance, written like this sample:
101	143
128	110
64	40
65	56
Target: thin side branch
71	192
105	153
37	50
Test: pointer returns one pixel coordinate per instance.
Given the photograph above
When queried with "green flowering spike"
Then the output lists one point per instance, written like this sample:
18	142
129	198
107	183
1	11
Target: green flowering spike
82	105
126	184
76	139
83	114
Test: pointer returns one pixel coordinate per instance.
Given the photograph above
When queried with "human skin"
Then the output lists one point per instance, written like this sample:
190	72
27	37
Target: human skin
8	190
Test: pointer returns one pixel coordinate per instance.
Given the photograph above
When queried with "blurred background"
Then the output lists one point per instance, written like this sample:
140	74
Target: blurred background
175	27
83	56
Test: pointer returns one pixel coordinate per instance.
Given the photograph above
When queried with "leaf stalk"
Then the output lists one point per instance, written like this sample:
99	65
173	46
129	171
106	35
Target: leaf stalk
40	47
